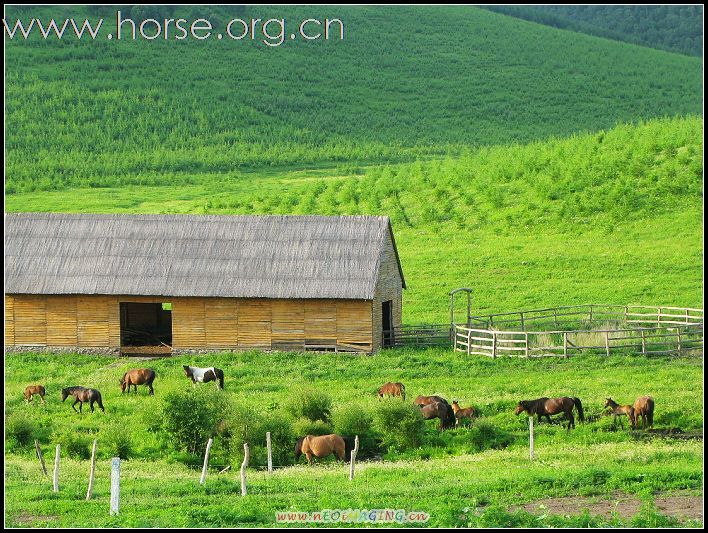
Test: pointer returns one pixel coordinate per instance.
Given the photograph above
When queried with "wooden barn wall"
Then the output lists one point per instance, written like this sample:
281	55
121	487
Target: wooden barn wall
389	286
197	323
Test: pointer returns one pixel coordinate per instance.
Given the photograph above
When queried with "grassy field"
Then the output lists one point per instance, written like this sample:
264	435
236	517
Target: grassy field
470	476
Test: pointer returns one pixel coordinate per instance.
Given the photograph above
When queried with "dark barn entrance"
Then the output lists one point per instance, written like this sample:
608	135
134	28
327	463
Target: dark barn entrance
145	328
387	323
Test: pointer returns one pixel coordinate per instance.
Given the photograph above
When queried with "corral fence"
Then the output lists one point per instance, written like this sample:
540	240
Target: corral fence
572	330
420	336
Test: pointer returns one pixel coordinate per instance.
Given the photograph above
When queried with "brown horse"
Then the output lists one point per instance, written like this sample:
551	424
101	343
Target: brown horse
467	412
552	406
322	446
392	389
440	410
137	376
617	410
31	390
644	407
420	401
81	395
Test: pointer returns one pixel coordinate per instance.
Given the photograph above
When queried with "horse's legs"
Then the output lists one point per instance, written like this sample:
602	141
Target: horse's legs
152	392
73	405
571	422
309	457
91	404
42	398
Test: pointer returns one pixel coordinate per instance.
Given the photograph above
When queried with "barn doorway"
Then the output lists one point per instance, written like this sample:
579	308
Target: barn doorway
387	323
145	328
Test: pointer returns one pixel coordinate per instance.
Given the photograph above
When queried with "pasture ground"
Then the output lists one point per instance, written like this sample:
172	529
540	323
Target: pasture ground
594	475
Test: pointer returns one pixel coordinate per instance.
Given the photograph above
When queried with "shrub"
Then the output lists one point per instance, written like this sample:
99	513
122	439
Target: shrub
352	420
190	418
116	442
400	425
73	444
311	404
305	426
19	429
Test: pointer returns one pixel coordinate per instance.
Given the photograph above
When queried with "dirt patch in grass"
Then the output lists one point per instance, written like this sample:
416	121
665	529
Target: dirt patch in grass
679	506
25	519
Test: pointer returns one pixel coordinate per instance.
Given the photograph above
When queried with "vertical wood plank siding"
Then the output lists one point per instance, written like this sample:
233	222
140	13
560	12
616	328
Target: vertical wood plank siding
197	323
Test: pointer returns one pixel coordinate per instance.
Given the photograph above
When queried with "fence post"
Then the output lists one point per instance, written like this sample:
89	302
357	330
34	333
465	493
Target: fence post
246	457
92	472
352	460
658	319
526	338
555	317
626	311
565	344
494	345
591	314
206	462
678	340
607	342
644	343
469	341
270	453
531	438
523	327
115	485
40	457
56	469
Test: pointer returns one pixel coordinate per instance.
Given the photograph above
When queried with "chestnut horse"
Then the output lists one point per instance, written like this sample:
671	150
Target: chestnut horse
81	395
440	410
420	401
137	376
552	406
31	390
392	389
619	410
322	446
467	412
644	407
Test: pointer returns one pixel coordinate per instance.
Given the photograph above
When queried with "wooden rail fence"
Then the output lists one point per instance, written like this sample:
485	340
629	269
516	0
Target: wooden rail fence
607	329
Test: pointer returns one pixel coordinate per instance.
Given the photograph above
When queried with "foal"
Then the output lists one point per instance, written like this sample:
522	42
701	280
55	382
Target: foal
619	410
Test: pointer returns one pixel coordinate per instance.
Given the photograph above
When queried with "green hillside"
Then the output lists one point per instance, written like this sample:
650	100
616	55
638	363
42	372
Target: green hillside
608	217
405	84
674	28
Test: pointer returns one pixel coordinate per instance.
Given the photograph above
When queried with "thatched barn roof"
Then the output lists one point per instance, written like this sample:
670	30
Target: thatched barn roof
192	255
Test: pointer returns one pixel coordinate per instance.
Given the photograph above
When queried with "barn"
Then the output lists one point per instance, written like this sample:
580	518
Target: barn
189	283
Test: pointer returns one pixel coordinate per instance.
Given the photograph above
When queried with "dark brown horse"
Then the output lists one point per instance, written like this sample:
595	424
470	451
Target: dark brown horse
552	406
81	395
31	390
440	410
420	401
644	408
392	389
322	446
137	376
460	413
617	410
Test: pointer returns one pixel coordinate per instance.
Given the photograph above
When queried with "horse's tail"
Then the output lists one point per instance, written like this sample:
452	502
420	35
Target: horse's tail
348	447
298	448
579	406
403	391
99	401
220	375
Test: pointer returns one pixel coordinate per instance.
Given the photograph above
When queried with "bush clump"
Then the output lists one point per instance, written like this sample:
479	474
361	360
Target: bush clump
311	404
190	418
352	420
400	425
20	431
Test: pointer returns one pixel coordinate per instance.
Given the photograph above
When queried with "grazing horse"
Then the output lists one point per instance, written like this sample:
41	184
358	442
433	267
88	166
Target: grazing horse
322	446
644	407
204	375
137	376
420	401
392	389
552	406
467	412
619	410
31	390
81	395
440	410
